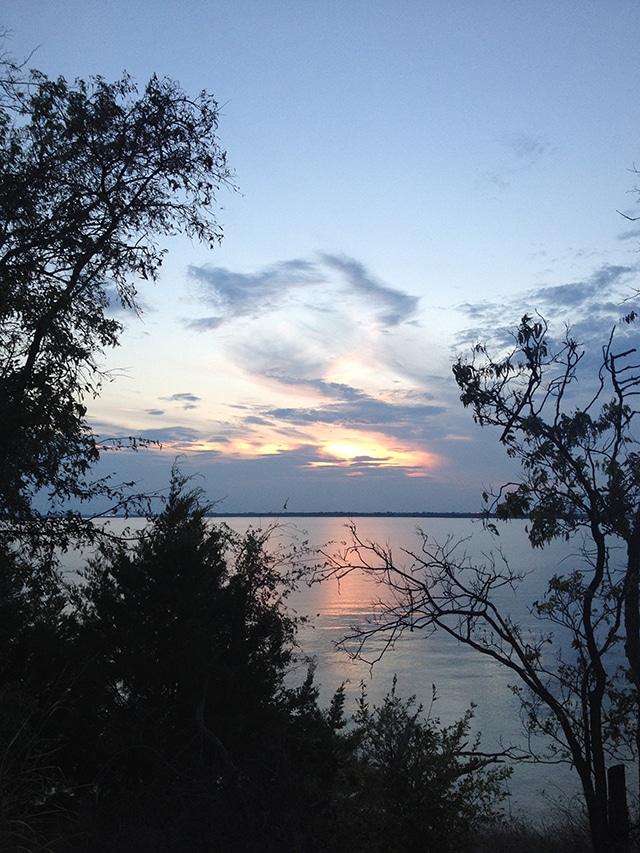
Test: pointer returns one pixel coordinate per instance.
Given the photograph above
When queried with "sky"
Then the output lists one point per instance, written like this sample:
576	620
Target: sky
413	178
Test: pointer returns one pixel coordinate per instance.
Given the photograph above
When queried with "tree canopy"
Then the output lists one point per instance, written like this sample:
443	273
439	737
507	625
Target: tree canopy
92	175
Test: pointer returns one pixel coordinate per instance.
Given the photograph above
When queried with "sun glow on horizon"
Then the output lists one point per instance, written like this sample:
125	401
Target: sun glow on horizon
355	453
372	452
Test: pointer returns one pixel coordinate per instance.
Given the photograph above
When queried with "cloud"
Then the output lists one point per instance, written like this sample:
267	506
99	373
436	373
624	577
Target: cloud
305	282
631	234
528	149
584	296
188	400
527	153
354	408
245	294
205	324
169	436
341	425
588	306
405	414
173	435
255	420
497	180
333	377
300	326
367	413
395	306
337	390
115	307
587	310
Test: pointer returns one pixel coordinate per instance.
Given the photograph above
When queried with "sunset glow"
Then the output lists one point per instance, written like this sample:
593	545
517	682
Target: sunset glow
355	453
374	455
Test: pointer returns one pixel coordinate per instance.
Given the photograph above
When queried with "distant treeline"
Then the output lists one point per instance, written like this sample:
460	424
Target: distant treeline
350	515
338	514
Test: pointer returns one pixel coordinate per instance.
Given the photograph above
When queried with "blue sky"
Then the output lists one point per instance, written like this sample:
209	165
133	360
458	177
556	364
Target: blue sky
413	177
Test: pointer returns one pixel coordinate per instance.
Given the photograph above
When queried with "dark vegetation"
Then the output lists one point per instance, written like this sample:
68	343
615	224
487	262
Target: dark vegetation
143	703
340	514
576	665
160	719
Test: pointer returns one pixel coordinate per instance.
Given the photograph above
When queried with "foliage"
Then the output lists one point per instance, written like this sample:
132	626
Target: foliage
28	773
187	637
581	472
580	467
177	717
91	174
159	710
412	783
578	675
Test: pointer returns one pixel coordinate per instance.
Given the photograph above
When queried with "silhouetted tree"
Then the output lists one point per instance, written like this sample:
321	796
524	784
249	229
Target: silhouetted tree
581	474
91	175
187	640
580	478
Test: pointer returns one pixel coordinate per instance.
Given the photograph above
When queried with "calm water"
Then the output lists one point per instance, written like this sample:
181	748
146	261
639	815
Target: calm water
460	675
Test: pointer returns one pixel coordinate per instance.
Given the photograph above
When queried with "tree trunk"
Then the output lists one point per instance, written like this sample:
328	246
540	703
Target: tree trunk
618	811
632	622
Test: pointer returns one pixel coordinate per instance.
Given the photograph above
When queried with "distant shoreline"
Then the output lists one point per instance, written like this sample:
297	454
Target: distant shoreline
337	514
347	515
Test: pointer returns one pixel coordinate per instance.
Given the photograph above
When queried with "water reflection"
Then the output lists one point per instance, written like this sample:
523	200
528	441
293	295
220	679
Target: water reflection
419	659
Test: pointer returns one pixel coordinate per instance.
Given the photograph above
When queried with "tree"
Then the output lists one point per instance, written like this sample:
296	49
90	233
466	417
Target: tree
580	478
36	642
581	472
184	642
91	175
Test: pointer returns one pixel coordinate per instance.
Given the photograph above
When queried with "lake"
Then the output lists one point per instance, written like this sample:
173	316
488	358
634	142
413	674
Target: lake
461	676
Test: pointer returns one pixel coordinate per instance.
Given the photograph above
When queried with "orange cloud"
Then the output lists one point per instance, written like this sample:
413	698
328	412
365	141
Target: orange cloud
354	451
367	451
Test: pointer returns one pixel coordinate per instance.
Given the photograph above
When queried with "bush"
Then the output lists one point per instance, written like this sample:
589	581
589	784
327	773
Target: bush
412	783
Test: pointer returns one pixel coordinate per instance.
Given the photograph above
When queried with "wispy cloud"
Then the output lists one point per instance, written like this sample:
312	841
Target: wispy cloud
589	306
329	372
525	152
631	234
599	292
394	306
529	149
235	295
186	399
367	413
320	328
174	436
334	370
588	310
400	415
337	425
115	307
